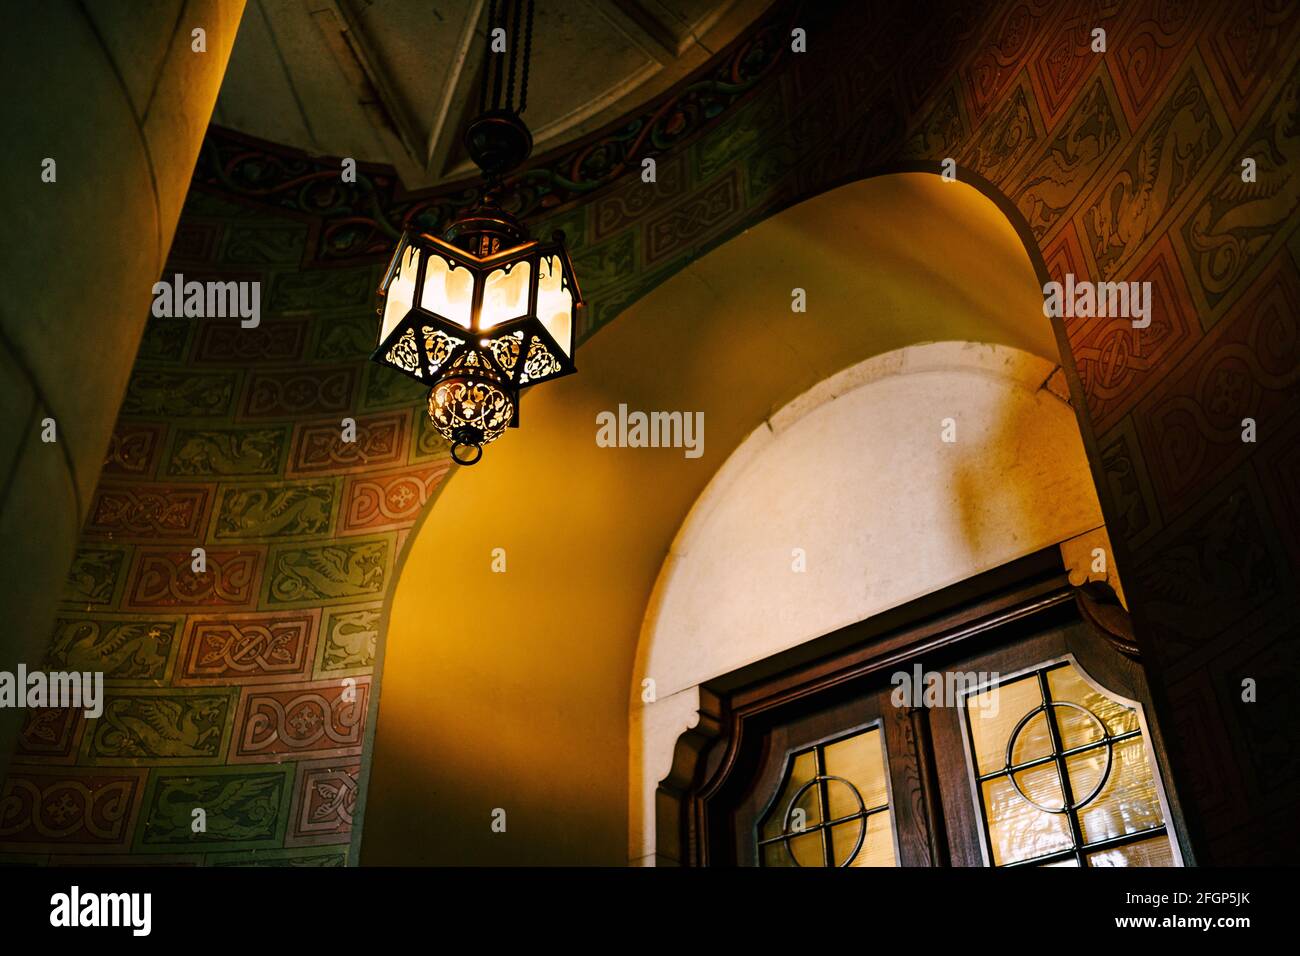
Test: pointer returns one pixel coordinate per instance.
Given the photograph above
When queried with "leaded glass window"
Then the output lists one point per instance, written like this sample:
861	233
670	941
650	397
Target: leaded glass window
832	807
1064	774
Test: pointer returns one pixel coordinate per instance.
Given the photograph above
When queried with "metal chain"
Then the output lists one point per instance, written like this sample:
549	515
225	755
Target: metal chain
513	52
497	65
528	59
487	54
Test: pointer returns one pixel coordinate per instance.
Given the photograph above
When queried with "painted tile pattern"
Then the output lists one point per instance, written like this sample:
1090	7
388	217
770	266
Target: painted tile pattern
243	689
227	687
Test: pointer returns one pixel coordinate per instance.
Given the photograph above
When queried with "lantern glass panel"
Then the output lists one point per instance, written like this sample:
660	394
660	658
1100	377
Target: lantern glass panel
555	302
448	290
505	294
400	292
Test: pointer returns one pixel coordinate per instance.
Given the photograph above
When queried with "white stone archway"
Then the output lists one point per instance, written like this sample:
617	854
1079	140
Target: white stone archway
854	480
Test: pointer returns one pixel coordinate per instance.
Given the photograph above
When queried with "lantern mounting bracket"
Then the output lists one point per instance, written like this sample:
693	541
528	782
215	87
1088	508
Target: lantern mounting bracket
498	141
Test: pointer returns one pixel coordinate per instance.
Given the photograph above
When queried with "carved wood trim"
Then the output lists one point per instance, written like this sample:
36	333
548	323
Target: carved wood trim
1100	607
675	832
935	831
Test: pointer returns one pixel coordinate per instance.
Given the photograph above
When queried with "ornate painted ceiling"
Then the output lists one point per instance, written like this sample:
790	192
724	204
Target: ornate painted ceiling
394	81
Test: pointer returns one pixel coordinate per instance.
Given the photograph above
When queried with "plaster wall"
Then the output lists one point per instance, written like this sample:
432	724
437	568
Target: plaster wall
848	502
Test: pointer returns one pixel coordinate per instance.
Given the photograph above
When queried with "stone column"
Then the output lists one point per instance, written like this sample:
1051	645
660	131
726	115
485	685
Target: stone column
104	108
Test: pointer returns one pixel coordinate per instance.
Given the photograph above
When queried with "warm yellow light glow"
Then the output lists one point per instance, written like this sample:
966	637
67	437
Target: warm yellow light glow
555	303
505	294
401	291
448	290
978	287
464	402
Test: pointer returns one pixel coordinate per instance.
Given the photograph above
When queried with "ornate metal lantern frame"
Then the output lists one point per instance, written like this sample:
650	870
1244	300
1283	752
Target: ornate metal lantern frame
496	323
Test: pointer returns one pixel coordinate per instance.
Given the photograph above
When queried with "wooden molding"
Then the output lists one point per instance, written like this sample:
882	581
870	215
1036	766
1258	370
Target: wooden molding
1100	606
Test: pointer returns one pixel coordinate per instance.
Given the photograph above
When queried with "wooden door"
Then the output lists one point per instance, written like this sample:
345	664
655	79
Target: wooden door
831	781
1038	747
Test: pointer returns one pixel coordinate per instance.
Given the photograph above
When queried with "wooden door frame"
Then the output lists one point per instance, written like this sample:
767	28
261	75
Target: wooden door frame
1025	594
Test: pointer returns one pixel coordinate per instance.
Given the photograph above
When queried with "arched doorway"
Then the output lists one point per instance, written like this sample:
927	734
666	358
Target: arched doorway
512	636
850	506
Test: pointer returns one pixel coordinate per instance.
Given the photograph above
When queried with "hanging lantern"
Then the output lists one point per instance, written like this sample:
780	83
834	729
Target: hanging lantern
483	310
478	328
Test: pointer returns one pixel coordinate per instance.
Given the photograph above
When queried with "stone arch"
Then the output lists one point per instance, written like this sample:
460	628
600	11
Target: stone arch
511	690
869	538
